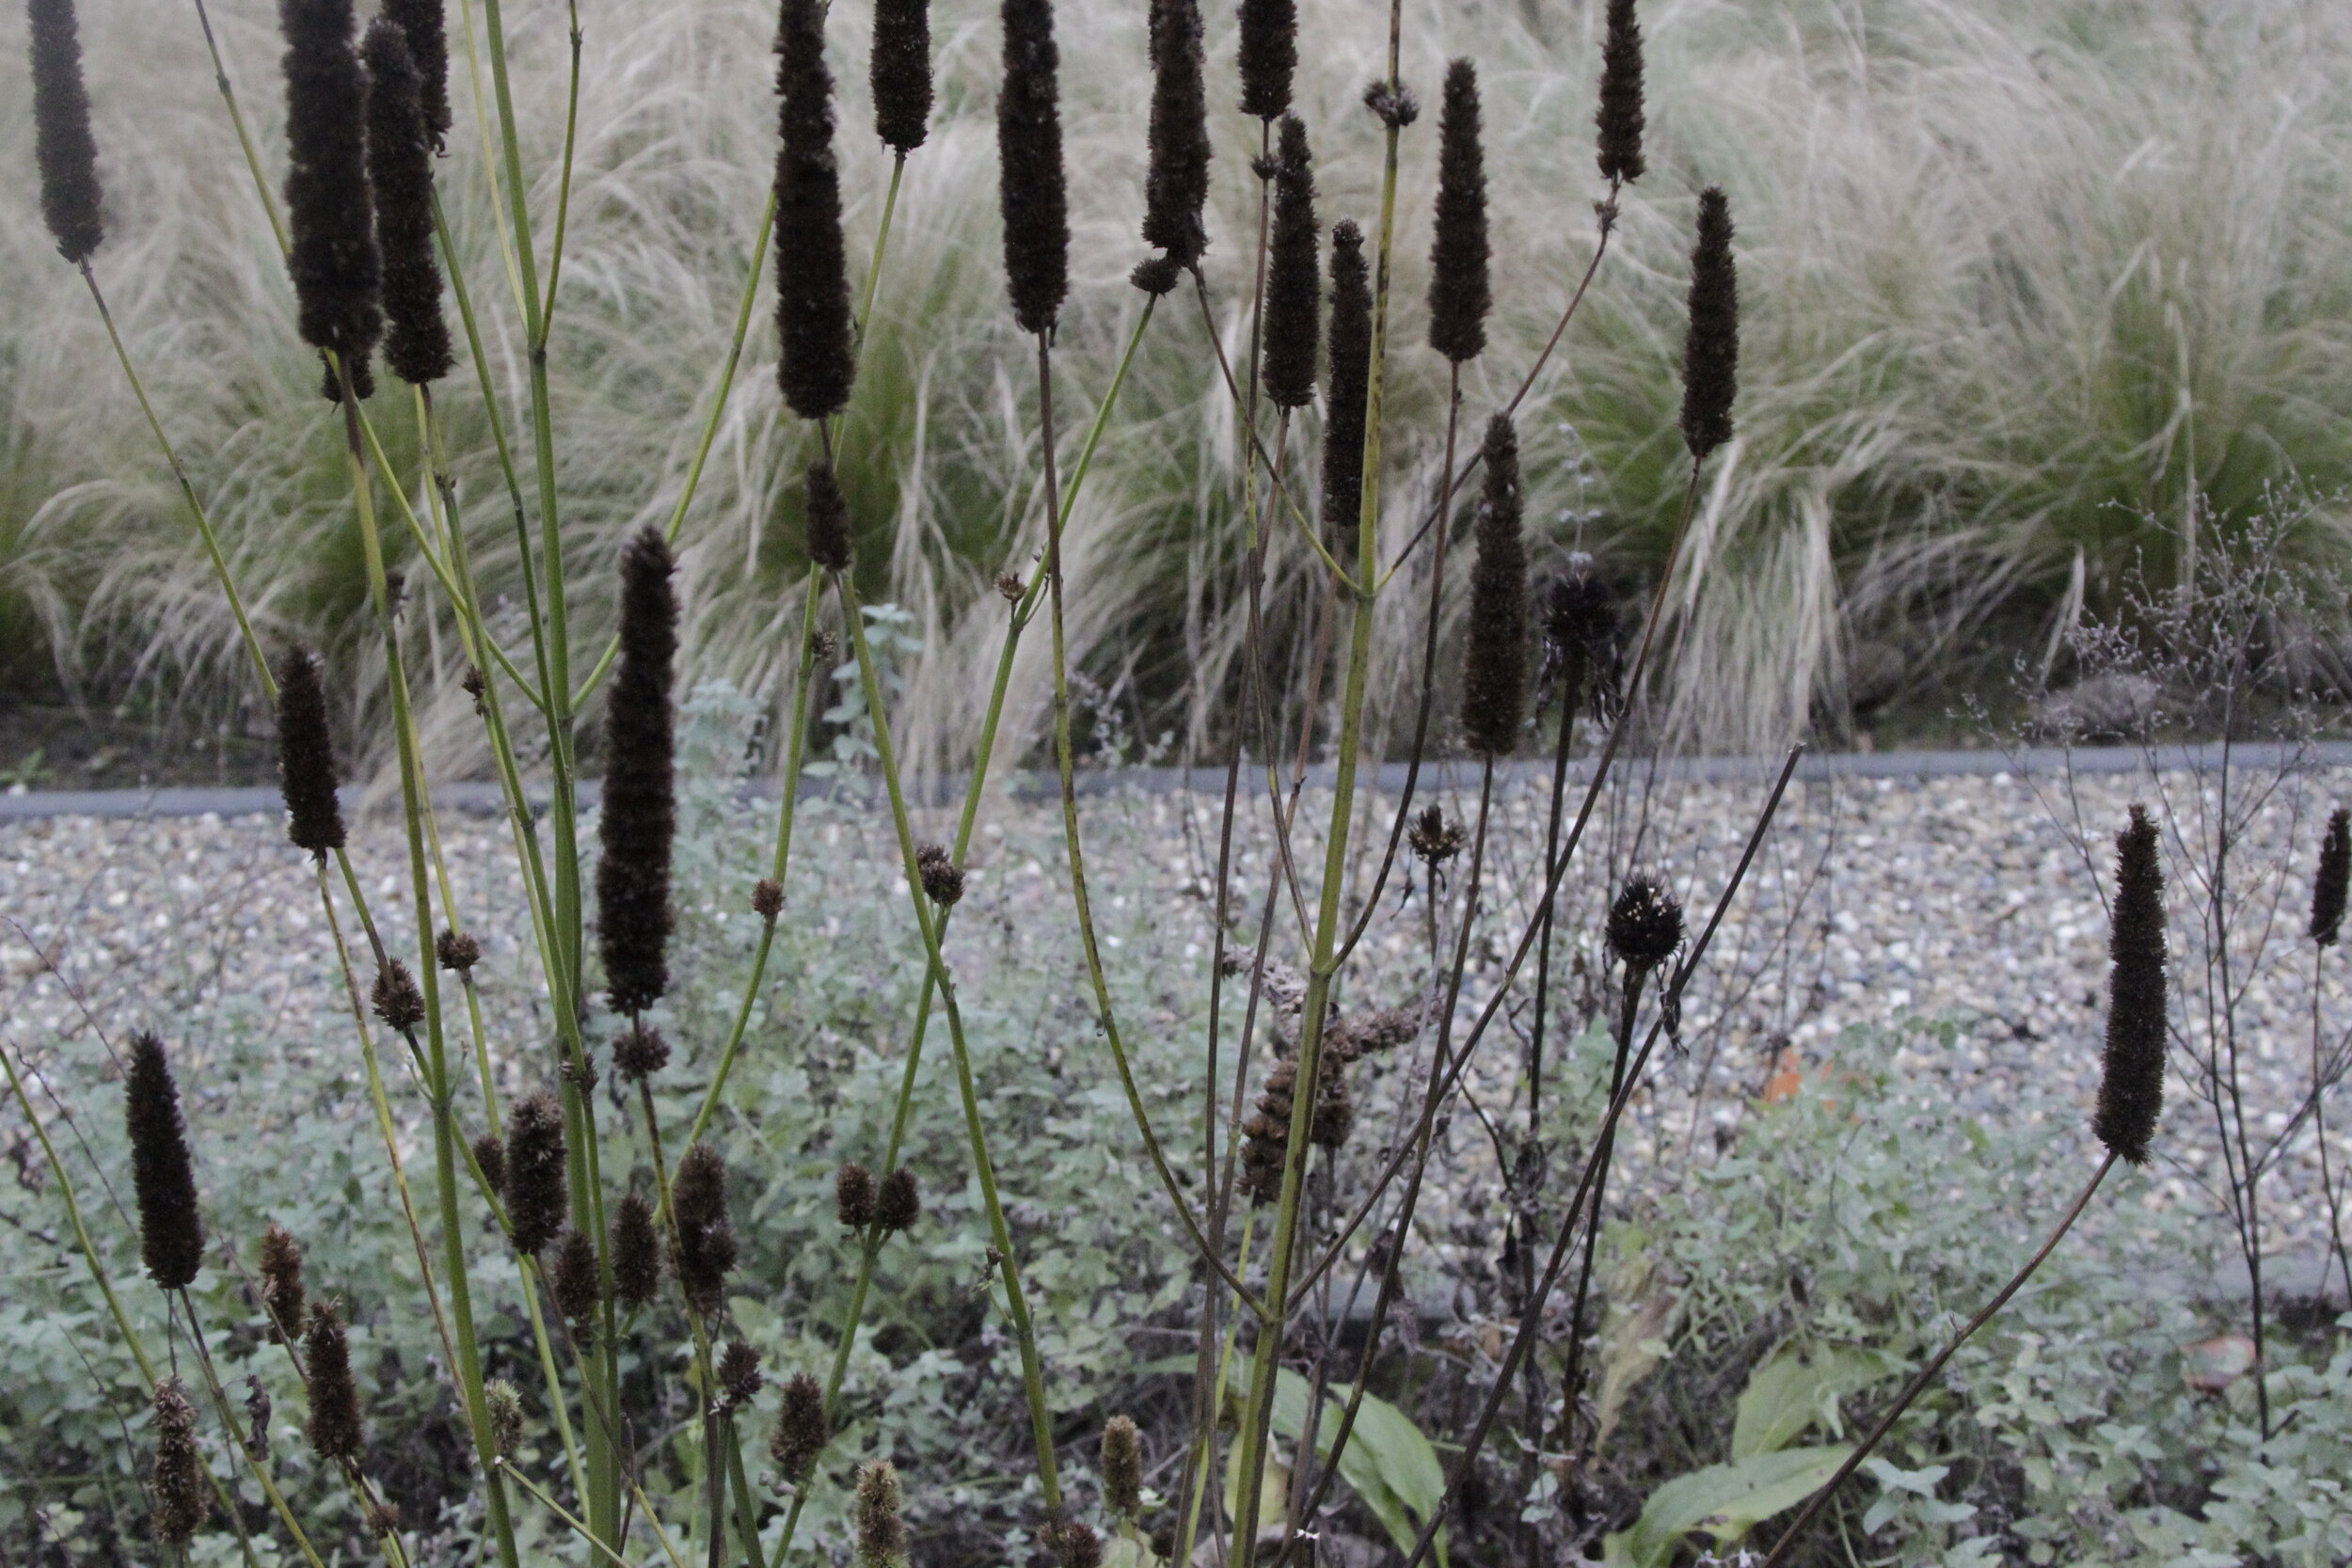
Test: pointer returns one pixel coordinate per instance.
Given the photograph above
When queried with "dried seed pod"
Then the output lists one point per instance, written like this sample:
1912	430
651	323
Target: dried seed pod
899	1202
1581	633
1078	1546
400	172
1359	1035
738	1374
421	25
1335	1108
901	73
636	1253
538	1198
63	147
1711	352
767	899
639	816
943	879
1031	190
854	1195
1156	276
1459	296
1349	378
638	1051
2329	881
505	1406
1494	665
818	362
182	1499
1620	116
489	1153
2131	1080
332	256
828	526
799	1433
1009	587
572	1282
282	1295
396	998
1266	1136
171	1230
1269	55
1122	1467
1434	839
705	1245
1293	306
257	1415
306	756
334	1428
457	952
1176	177
882	1535
1645	924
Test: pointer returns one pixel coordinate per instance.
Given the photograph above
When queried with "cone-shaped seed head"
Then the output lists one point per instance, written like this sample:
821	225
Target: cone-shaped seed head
1494	663
62	143
282	1295
798	1436
505	1404
1644	922
901	72
1031	192
1458	293
739	1373
489	1153
456	951
400	172
705	1239
1350	380
640	817
1620	116
1269	54
2131	1079
1711	352
943	879
816	363
182	1497
1293	302
1579	619
421	26
1078	1546
1434	839
854	1195
636	1253
1122	1466
538	1198
333	260
334	1428
1176	177
2329	881
572	1279
899	1202
882	1536
638	1051
172	1232
396	998
828	519
306	756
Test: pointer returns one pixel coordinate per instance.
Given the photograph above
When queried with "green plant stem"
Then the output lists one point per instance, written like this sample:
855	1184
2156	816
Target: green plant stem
275	1498
882	247
236	119
571	1520
1202	1461
564	181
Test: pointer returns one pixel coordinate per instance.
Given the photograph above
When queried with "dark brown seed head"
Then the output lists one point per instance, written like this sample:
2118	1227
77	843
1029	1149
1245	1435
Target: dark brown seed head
183	1498
171	1231
1394	108
854	1195
421	24
306	756
828	519
1645	924
799	1433
1009	587
1620	116
489	1153
1122	1467
362	370
1031	190
738	1374
1269	55
457	952
1711	352
1434	839
767	899
505	1405
572	1282
334	1428
1345	1040
396	998
1350	378
1459	298
882	1536
536	1196
63	147
640	817
2131	1080
1335	1108
1580	635
943	879
400	172
257	1415
333	256
2329	881
1156	276
1176	177
636	1253
638	1051
901	72
818	360
1494	662
1266	1136
282	1295
1078	1546
705	1245
900	1203
1293	302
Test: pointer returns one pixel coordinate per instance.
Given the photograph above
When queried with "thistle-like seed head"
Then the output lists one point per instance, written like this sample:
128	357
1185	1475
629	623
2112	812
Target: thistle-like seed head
1077	1546
396	998
1645	924
799	1433
1434	839
1009	587
63	146
943	879
1032	193
572	1282
457	952
854	1195
1710	351
505	1405
901	73
1176	180
1459	296
767	899
739	1380
1269	55
1293	304
1620	115
537	1197
828	528
332	255
1348	382
1494	665
899	1203
489	1153
882	1535
2329	881
636	1253
638	1051
1156	276
639	821
705	1243
818	362
306	756
335	1432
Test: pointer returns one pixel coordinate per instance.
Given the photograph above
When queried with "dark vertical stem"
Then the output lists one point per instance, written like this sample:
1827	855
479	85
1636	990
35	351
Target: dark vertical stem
1572	1378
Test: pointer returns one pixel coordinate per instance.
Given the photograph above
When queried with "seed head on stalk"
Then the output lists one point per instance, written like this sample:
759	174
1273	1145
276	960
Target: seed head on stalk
636	1253
306	756
489	1153
705	1245
396	998
1620	116
171	1231
281	1281
1494	665
1645	924
2131	1079
899	1202
1122	1466
63	147
1350	377
1269	55
828	526
422	27
538	1198
901	73
334	1428
1293	308
1580	634
182	1498
817	362
400	172
739	1379
882	1535
1031	191
854	1195
798	1436
1459	296
333	257
2329	881
572	1281
1176	177
1711	352
640	817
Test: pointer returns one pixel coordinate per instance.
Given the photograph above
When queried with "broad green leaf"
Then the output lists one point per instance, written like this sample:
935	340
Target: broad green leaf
1388	1461
1724	1500
1788	1393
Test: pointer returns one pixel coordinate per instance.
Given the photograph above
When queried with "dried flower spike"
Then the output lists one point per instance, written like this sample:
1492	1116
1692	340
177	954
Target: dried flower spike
854	1195
400	172
1122	1467
489	1153
538	1198
505	1406
1156	276
257	1414
1078	1546
899	1202
1293	308
1580	635
171	1231
422	27
306	756
639	816
1434	839
2329	881
1176	175
1009	587
183	1498
457	952
800	1433
1350	377
706	1245
1494	664
943	879
1459	296
1711	352
1031	191
828	526
882	1536
817	362
636	1253
332	257
638	1051
767	899
572	1282
1645	924
396	998
334	1428
738	1374
1266	1136
1620	115
900	73
1269	55
283	1295
63	146
2131	1079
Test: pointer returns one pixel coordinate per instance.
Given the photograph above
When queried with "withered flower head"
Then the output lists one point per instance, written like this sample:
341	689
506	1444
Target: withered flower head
505	1405
738	1374
1494	663
639	816
799	1433
1122	1466
636	1253
63	147
572	1281
900	73
171	1231
638	1051
1645	924
1292	302
1459	298
1335	1108
818	360
396	998
2131	1081
900	1203
257	1415
828	523
457	950
1620	116
882	1536
767	899
1434	839
1078	1546
1711	352
334	1428
1350	378
854	1195
1156	276
182	1499
400	172
705	1245
306	756
1394	108
1176	177
536	1196
421	24
1266	1136
2329	881
283	1295
1580	635
1269	55
943	879
489	1153
1031	191
333	256
1009	587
